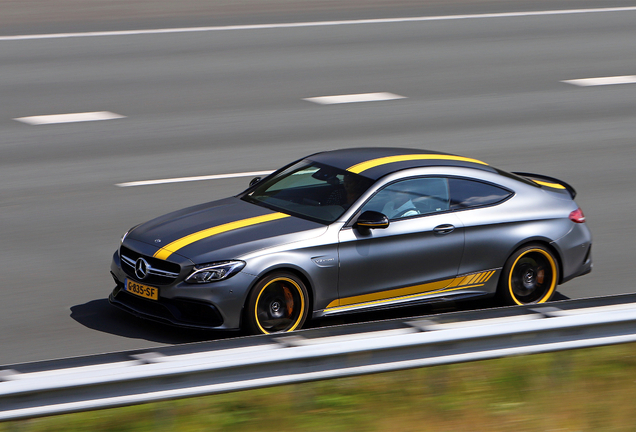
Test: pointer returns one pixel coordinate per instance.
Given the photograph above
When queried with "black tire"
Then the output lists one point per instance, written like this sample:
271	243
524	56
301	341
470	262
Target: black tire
530	276
278	303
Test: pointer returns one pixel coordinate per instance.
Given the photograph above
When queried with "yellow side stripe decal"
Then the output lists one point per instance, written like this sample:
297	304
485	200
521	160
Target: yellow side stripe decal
479	278
363	166
171	248
473	279
485	277
456	282
402	298
552	185
459	282
418	289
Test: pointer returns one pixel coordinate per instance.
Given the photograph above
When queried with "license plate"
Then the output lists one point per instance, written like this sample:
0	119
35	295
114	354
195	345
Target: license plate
142	290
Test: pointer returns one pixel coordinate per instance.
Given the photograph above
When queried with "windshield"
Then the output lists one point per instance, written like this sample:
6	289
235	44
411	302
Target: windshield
309	190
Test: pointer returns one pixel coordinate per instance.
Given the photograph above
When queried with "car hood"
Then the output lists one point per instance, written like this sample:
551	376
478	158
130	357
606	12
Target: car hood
221	230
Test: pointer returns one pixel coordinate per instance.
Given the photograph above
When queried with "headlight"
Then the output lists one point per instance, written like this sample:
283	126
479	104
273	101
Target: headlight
212	272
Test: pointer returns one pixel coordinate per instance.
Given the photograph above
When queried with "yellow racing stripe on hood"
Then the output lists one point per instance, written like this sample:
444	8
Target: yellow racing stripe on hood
363	166
171	248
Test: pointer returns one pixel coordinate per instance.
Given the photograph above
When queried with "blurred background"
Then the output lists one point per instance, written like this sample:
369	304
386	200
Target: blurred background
231	101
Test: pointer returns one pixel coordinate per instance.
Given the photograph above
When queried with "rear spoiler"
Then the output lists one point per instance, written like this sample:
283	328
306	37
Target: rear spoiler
550	182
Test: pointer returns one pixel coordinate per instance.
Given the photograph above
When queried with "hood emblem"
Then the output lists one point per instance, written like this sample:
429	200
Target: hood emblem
157	240
141	268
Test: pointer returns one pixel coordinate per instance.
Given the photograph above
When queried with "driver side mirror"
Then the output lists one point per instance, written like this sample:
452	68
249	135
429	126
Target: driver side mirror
372	220
255	180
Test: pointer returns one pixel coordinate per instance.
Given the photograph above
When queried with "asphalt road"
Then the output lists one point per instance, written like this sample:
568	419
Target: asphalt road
217	102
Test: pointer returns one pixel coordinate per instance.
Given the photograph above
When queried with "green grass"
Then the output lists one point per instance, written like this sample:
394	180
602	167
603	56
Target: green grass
582	390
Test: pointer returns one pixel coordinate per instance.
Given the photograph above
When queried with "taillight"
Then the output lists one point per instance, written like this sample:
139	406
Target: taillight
577	216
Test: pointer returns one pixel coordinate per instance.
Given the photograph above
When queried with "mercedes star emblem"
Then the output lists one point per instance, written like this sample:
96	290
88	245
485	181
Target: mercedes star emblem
141	268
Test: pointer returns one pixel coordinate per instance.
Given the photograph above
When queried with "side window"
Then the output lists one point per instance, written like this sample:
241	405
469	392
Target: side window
468	193
417	196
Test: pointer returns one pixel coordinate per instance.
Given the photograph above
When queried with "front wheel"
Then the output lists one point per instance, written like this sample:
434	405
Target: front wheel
278	303
530	276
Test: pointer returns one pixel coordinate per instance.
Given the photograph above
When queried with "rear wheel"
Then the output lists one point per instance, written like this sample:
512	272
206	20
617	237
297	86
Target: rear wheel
530	276
278	303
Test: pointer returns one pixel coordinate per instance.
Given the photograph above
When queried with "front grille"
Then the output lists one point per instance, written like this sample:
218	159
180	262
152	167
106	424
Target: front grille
160	272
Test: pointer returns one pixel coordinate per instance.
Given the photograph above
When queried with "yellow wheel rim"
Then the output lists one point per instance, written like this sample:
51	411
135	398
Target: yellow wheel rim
276	301
528	274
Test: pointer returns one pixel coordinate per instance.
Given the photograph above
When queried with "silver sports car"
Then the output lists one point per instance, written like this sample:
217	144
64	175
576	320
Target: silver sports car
354	230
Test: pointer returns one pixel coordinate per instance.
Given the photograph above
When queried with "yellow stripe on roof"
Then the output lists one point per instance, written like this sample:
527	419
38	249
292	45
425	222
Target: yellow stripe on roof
171	248
363	166
552	185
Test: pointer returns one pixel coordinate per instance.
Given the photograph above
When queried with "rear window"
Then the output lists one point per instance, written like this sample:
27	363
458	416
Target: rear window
469	193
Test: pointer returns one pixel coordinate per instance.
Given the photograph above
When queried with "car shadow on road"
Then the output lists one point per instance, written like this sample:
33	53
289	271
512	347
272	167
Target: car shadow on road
558	296
102	316
99	315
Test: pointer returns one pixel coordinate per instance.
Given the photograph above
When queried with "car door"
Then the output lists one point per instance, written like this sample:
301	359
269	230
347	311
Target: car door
490	230
423	244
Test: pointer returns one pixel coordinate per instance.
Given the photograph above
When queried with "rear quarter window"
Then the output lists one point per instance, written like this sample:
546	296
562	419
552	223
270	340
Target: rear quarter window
466	193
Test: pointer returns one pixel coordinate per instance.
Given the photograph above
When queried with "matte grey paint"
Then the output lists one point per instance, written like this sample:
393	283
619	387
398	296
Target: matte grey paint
406	253
377	260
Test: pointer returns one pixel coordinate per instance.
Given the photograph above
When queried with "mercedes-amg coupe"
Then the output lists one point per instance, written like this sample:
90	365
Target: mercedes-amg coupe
354	230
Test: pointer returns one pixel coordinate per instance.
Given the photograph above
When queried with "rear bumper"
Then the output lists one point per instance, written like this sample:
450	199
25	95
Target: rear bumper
575	249
584	269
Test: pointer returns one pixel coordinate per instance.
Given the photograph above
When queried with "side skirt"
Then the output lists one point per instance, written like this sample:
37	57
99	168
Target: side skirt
464	286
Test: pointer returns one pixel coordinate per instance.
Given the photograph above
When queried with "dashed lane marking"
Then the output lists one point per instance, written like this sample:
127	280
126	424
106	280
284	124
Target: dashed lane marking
602	81
69	118
353	98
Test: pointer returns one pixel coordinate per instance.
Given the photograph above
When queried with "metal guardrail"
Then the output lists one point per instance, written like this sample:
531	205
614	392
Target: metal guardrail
120	379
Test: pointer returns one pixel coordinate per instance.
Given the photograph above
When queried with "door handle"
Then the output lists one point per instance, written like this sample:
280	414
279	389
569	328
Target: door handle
444	229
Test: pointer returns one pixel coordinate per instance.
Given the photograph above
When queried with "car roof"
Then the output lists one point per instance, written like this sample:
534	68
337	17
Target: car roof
376	162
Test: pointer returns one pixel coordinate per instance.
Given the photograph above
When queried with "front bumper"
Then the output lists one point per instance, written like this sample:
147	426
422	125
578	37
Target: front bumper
180	312
214	306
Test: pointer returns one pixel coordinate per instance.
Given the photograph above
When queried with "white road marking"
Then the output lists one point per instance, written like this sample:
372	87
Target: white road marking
317	23
602	81
191	179
352	98
69	118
